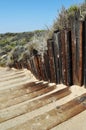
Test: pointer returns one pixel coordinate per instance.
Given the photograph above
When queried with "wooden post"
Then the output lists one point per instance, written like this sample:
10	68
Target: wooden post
41	67
51	60
31	65
80	62
56	55
63	54
84	54
60	56
35	67
73	39
47	65
69	58
36	62
77	50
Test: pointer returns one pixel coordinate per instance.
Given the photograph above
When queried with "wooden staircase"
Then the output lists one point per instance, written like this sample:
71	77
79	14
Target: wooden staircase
29	104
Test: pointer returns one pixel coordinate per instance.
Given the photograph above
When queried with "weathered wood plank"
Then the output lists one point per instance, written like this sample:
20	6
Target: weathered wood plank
84	54
51	60
60	56
80	54
56	116
25	97
8	113
56	55
77	49
47	66
42	67
63	54
73	37
68	58
37	67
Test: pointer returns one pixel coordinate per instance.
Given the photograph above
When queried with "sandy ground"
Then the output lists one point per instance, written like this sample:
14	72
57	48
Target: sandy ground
12	81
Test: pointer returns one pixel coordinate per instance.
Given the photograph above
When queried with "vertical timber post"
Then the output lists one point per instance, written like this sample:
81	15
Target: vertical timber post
84	26
63	54
77	49
51	60
47	65
69	58
56	56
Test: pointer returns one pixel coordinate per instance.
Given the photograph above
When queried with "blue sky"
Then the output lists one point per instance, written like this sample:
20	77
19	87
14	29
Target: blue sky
29	15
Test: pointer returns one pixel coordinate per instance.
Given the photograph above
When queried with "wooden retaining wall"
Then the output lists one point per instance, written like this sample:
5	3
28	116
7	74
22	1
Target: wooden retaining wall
65	60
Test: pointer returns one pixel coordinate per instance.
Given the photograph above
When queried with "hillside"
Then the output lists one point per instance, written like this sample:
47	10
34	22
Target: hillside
25	41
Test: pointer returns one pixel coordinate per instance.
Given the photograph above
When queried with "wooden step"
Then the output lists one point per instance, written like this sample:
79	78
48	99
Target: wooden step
16	86
4	74
13	101
13	81
56	116
20	91
11	77
28	106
